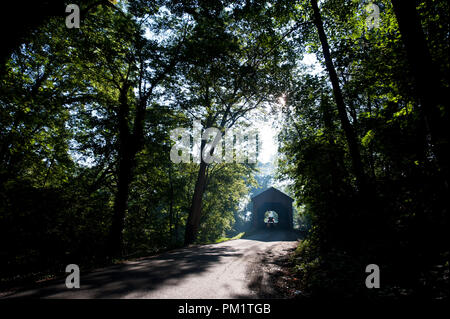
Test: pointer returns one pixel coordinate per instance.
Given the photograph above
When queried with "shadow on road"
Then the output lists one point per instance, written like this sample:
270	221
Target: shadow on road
143	275
155	275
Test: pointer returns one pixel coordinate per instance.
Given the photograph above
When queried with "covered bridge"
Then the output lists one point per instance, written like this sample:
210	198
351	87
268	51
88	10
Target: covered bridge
272	200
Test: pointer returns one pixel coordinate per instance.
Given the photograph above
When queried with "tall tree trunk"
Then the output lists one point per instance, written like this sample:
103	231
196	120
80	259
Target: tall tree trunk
338	160
196	208
346	126
427	80
422	67
126	153
195	213
120	206
171	193
177	218
131	141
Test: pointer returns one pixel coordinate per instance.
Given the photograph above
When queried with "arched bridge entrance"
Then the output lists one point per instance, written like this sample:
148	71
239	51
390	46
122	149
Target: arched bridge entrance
272	200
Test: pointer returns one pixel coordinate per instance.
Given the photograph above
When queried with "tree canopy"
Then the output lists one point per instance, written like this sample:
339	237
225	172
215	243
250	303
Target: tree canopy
86	116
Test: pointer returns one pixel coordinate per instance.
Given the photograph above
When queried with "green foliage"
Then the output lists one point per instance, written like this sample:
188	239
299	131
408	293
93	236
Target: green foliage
61	112
402	226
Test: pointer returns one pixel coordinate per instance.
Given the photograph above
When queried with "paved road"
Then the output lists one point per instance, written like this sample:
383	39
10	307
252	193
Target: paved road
233	269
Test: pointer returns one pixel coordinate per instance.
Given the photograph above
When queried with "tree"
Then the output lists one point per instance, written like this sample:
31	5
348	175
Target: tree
345	123
24	17
134	69
427	79
378	90
227	79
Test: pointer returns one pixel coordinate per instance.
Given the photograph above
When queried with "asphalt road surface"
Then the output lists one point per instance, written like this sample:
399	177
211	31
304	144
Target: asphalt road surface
234	269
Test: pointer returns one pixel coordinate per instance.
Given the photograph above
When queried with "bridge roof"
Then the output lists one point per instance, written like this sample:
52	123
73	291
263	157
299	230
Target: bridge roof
275	192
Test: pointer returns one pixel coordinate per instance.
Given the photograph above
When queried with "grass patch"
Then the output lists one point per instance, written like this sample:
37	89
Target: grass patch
222	239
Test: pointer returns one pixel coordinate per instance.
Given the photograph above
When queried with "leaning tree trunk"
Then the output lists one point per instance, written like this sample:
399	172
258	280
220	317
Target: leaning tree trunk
195	213
346	126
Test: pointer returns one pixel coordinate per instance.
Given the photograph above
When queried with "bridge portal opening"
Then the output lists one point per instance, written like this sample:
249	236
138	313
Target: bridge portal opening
271	216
